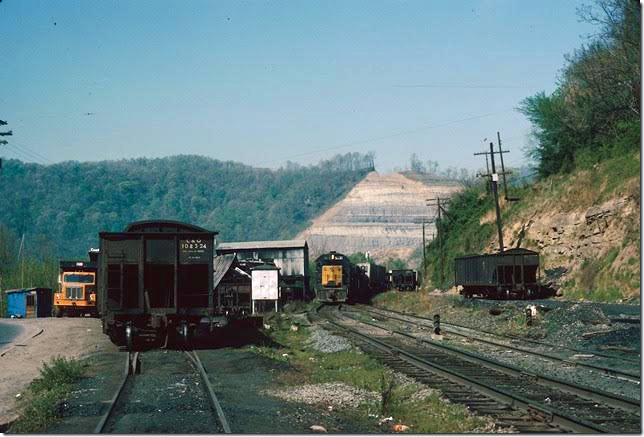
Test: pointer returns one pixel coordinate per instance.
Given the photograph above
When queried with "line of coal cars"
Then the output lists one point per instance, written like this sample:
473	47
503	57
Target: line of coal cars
156	279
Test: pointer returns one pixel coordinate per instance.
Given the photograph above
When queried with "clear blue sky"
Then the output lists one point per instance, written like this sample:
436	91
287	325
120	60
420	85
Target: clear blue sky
265	81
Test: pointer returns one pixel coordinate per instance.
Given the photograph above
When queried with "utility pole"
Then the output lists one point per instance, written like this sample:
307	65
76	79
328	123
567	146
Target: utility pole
4	134
21	259
439	234
424	257
495	180
494	176
505	185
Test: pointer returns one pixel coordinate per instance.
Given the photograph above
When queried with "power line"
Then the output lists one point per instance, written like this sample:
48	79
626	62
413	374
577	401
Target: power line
36	154
19	154
384	137
464	86
28	154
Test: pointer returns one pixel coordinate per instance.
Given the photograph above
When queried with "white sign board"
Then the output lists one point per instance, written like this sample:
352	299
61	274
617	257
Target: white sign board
265	285
495	177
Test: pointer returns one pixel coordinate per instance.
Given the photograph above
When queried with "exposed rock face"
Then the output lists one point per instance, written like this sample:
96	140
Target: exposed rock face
586	246
381	215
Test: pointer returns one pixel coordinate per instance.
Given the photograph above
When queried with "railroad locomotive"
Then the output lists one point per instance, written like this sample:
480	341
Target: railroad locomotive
338	280
155	280
513	273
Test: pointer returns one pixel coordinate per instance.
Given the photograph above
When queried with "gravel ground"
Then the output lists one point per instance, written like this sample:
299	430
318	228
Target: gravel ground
168	396
89	400
242	380
323	341
565	323
330	393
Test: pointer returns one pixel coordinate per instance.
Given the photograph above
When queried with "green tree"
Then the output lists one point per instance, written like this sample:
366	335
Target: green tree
595	110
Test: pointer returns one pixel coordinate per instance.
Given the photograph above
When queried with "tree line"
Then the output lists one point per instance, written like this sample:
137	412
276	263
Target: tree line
594	113
60	208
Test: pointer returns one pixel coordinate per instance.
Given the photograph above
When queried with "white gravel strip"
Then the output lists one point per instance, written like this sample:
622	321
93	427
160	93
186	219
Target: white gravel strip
336	394
323	341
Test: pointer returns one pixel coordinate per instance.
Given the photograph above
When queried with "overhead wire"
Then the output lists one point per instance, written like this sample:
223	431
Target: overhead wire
33	152
393	135
16	153
465	86
27	154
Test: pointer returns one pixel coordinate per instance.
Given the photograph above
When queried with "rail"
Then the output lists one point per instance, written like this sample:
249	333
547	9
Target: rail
132	366
212	397
471	374
516	337
630	376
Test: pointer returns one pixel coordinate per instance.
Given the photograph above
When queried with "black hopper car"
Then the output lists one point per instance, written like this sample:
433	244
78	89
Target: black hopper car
404	280
338	280
156	280
377	276
511	274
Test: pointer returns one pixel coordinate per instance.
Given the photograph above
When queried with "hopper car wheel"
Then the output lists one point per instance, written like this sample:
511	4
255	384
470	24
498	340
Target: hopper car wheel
129	337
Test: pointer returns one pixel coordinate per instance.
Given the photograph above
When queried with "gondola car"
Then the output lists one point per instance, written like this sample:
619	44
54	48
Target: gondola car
155	279
513	273
338	280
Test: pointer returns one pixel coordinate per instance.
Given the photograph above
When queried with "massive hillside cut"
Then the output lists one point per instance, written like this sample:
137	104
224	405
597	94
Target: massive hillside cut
381	215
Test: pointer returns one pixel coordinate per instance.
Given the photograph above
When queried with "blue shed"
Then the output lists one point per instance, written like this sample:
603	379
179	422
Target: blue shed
29	302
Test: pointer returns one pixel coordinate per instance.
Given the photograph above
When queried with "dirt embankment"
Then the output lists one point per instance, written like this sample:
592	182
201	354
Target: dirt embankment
381	215
588	234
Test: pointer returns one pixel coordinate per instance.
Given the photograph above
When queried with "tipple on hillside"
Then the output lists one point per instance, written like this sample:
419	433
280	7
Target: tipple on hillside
155	278
513	273
291	256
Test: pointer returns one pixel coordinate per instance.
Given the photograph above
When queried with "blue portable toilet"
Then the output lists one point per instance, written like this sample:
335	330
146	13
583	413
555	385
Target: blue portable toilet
29	302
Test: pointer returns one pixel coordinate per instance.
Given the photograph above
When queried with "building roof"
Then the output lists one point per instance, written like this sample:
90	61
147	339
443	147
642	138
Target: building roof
249	245
163	226
220	266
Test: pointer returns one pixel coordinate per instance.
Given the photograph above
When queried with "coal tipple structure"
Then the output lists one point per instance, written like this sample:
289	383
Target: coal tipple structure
290	256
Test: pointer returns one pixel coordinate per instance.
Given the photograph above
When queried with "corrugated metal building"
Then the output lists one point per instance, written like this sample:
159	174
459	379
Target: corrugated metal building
29	302
291	256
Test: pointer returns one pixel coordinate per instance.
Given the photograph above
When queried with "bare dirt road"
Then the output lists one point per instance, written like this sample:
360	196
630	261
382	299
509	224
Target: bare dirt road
36	341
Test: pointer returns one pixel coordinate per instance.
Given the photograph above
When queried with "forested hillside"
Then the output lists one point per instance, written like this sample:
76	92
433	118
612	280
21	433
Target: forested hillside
60	208
582	213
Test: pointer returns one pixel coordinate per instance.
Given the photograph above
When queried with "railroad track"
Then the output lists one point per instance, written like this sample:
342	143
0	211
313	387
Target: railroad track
525	340
530	403
133	368
475	334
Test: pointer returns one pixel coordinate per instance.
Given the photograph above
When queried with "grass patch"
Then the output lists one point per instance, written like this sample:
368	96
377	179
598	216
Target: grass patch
404	401
457	309
40	405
